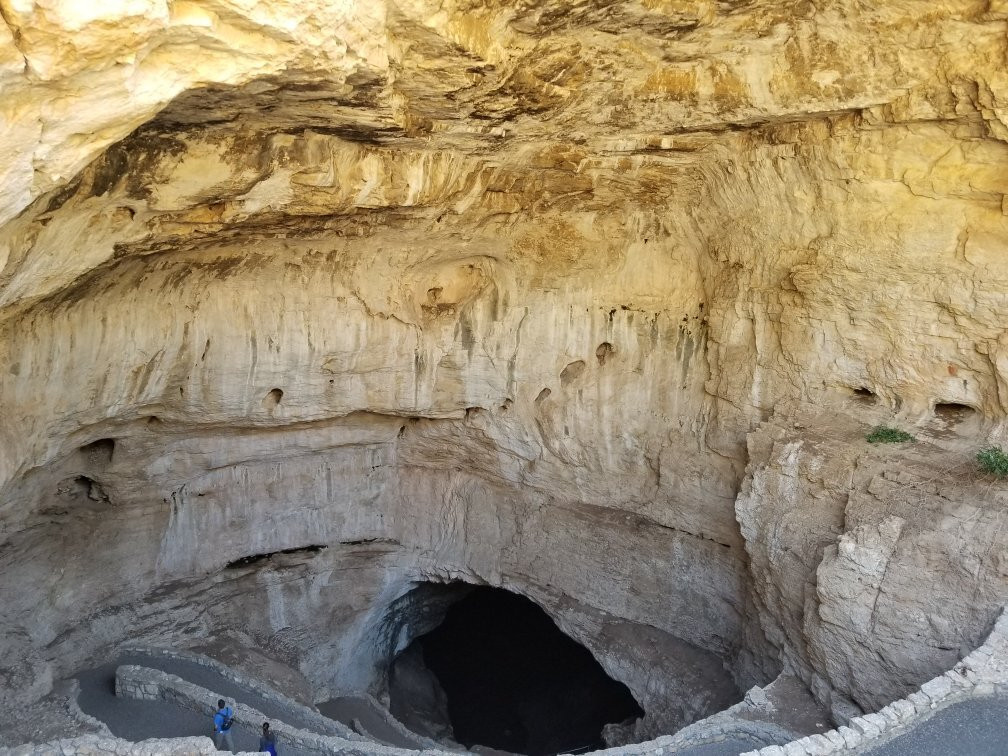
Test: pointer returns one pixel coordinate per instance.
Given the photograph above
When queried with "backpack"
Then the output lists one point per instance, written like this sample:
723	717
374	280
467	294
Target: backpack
228	718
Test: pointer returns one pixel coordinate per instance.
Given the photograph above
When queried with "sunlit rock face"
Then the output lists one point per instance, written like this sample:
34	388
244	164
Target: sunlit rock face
570	299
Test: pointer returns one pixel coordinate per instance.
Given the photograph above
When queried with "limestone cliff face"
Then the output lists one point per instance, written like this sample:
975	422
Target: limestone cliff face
871	566
496	291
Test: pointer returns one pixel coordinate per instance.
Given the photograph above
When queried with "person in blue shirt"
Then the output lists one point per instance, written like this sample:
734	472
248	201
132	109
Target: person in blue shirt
222	721
267	743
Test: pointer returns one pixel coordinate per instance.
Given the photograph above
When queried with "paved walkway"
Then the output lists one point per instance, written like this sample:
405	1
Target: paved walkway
347	708
136	720
724	748
977	727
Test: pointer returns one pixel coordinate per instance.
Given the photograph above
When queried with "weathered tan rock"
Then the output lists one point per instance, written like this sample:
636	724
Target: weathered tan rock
78	77
495	292
872	565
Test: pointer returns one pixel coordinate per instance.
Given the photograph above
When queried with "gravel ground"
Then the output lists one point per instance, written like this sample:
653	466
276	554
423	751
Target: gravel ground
978	727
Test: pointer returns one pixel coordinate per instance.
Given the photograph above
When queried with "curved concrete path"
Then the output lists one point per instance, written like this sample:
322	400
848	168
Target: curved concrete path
346	709
137	720
722	748
977	727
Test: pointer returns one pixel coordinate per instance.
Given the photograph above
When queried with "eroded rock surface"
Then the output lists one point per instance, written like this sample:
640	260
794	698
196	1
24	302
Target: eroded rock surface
844	535
497	292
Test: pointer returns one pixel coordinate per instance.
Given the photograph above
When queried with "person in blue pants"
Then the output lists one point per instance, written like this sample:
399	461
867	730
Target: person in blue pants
223	720
267	743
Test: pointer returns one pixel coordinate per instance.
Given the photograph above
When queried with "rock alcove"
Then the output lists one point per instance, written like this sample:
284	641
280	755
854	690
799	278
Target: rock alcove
308	305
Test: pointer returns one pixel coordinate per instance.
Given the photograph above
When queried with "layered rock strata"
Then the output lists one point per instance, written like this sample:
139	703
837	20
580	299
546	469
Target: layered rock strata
524	295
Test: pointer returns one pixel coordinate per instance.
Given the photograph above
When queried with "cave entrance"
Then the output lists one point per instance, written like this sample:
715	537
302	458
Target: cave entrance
505	676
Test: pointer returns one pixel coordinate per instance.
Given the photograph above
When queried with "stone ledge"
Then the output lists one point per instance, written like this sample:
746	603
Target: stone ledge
715	729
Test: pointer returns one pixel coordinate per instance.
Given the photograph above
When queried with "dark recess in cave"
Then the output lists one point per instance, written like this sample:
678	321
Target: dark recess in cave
515	682
252	559
953	411
99	453
272	399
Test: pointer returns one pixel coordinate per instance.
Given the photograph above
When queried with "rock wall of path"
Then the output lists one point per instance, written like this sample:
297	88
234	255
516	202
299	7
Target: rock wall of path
97	745
250	682
148	684
983	672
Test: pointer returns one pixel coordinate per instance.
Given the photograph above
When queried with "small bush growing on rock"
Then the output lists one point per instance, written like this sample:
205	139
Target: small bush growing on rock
993	460
883	434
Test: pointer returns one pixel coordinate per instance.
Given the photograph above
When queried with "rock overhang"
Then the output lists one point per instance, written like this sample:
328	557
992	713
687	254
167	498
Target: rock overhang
378	268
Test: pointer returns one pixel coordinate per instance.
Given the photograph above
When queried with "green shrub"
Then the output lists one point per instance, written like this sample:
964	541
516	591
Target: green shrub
883	434
993	460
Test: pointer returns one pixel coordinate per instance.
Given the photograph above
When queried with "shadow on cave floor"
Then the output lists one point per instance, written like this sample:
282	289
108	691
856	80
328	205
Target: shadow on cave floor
512	681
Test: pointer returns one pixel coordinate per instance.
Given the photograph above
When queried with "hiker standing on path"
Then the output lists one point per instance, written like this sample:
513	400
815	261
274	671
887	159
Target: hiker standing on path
222	722
267	743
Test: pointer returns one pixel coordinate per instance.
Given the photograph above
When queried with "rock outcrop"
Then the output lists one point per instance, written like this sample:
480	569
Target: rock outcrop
586	300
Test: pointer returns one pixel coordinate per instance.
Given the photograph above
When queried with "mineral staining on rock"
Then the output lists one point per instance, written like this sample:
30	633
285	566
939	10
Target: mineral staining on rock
537	295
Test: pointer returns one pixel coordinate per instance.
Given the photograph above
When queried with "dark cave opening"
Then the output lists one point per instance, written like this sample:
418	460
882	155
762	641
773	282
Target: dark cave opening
511	680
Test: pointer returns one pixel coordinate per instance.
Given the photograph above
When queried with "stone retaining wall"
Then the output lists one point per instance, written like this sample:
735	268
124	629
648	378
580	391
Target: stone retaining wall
984	672
729	724
153	684
670	744
194	657
69	693
398	726
98	745
279	698
320	723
